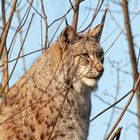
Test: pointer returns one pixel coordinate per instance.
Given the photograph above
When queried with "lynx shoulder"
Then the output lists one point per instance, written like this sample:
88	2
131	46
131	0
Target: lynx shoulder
52	100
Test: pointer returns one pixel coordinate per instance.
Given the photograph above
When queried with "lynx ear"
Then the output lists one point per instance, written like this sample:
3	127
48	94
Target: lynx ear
96	32
68	35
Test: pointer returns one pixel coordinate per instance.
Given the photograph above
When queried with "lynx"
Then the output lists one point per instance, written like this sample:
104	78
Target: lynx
51	101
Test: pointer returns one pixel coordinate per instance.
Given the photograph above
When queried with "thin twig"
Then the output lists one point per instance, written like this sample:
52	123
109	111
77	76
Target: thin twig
21	40
19	51
115	99
125	108
31	4
38	100
116	135
22	22
116	107
27	54
71	4
60	17
85	17
46	24
111	106
98	7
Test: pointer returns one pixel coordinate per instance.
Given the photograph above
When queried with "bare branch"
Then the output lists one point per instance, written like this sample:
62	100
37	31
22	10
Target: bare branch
129	37
5	70
19	51
117	134
98	7
76	14
111	106
5	54
132	54
5	33
46	24
125	108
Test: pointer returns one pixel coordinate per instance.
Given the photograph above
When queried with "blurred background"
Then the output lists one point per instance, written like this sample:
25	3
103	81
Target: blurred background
35	25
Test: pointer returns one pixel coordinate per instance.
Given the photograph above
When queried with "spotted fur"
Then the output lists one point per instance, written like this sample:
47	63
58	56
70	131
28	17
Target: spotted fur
51	101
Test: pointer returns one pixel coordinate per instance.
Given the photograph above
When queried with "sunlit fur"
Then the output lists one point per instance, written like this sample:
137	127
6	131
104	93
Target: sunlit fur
52	99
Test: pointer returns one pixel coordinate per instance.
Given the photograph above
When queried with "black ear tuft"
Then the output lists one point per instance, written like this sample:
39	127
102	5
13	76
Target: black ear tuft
68	35
97	31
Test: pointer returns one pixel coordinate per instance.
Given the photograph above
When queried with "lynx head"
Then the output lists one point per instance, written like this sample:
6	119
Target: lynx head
82	56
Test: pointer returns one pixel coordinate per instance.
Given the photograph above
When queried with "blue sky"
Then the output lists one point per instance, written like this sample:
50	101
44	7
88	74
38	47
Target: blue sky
117	55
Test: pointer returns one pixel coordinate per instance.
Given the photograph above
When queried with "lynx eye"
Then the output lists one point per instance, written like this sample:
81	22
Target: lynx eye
85	55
